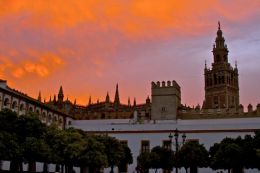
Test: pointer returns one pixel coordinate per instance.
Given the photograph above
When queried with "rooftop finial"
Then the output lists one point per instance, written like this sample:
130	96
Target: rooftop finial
218	24
205	63
236	64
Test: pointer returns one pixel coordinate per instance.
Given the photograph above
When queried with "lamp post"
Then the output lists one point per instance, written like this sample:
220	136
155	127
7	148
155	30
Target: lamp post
176	137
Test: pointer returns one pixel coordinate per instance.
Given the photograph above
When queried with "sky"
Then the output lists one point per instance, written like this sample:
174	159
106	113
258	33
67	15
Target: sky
88	46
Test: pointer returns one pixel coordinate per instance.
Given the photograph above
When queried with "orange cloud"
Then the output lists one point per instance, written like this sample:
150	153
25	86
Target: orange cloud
5	64
138	18
43	66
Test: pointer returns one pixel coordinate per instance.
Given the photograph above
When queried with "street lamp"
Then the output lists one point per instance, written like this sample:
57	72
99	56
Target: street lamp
176	137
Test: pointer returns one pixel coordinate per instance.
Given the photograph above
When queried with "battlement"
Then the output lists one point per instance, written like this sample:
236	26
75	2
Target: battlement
197	112
168	84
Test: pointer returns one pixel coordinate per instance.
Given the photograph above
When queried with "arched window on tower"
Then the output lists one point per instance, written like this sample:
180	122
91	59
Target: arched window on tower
217	58
215	79
225	58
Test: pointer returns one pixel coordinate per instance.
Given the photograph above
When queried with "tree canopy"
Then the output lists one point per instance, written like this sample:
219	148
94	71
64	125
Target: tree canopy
26	139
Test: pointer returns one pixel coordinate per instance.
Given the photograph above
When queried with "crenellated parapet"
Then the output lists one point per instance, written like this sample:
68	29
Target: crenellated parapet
165	84
186	112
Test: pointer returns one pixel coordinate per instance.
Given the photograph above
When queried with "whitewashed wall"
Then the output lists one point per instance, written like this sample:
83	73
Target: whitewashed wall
207	132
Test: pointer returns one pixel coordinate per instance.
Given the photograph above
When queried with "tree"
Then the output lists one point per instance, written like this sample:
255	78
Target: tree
229	155
30	132
93	155
249	151
10	142
126	158
74	146
192	155
256	145
55	139
161	158
34	149
113	150
144	162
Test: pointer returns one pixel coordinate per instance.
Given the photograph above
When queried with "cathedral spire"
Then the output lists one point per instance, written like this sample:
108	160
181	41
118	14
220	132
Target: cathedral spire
107	98
129	102
220	50
60	95
39	97
89	101
117	100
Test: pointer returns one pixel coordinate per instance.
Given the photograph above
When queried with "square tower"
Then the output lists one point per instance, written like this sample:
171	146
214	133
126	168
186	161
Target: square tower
221	82
166	98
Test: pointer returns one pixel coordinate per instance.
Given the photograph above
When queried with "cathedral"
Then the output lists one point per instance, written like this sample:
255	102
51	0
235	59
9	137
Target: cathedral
221	97
106	109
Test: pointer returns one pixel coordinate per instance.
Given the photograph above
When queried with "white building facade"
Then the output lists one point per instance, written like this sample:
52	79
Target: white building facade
155	133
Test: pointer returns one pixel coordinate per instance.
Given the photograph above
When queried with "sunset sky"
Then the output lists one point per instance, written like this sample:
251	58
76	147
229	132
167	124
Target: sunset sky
88	46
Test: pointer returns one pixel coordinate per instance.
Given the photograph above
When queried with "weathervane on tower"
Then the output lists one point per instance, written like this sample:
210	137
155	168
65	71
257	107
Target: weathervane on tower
218	24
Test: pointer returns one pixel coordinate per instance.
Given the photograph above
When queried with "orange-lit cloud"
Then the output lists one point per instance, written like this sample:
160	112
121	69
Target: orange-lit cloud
136	18
43	66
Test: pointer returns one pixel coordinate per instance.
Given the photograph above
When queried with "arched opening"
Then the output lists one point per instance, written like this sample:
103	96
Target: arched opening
30	109
21	107
14	104
44	116
217	58
6	102
49	118
60	121
225	58
215	79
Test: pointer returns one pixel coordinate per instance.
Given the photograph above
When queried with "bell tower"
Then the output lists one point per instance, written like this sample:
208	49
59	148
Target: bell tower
221	81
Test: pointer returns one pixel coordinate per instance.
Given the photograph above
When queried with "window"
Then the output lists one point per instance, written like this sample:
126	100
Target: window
44	116
225	58
215	79
218	58
6	102
30	109
14	105
215	101
163	109
49	118
60	121
145	146
21	107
